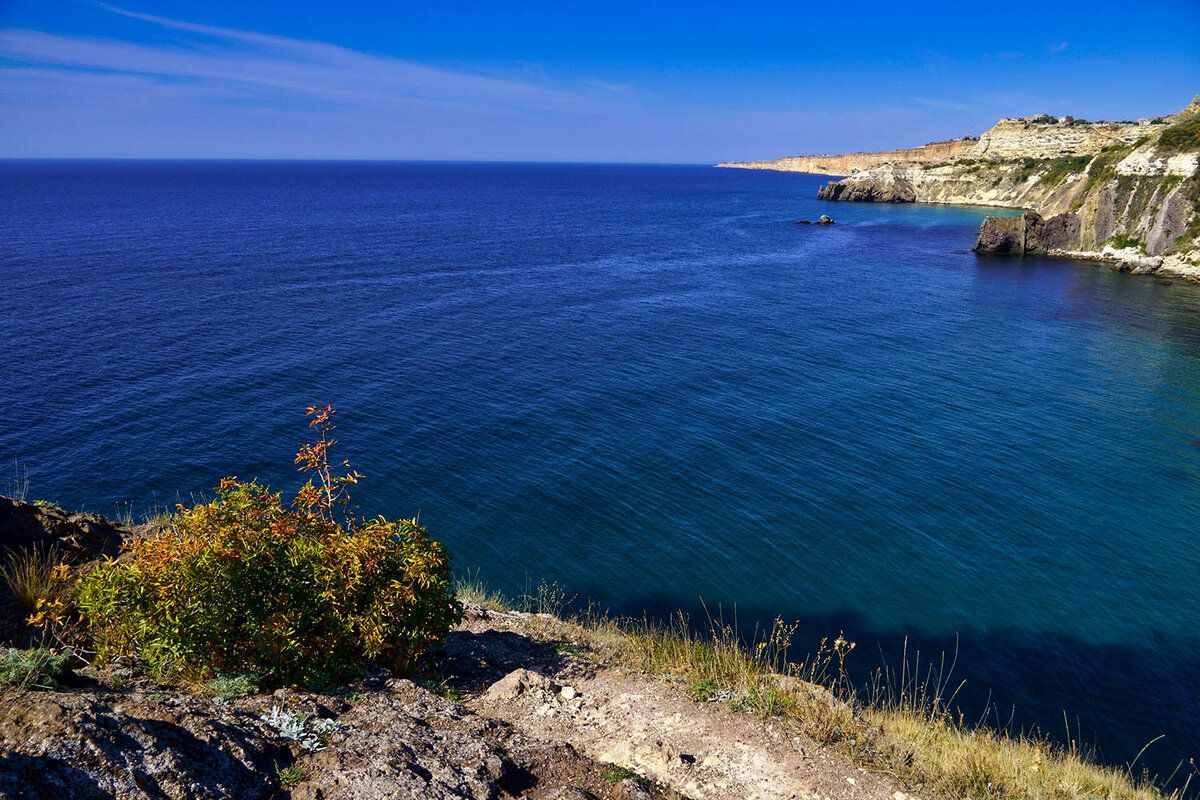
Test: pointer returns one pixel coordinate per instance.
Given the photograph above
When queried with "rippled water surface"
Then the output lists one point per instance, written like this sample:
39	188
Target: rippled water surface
648	384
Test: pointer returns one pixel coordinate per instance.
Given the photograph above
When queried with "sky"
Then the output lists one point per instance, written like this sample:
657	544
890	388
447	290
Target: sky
564	81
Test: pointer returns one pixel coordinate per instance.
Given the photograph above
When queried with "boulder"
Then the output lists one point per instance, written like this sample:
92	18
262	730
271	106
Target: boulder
825	219
1001	235
517	683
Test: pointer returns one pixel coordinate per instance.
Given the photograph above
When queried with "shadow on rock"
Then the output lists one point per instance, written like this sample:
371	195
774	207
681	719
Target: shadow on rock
86	748
24	777
474	661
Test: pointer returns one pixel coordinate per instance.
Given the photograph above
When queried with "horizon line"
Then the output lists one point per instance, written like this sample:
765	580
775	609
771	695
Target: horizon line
353	160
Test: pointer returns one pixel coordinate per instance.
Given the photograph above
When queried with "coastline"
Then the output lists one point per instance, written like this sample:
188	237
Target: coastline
1125	194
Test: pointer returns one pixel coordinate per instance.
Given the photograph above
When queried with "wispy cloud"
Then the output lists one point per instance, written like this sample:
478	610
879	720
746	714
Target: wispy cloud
946	104
1057	47
271	69
608	86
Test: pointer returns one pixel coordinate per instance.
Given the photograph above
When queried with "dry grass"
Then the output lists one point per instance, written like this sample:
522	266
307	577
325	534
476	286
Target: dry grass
903	726
18	485
470	589
29	574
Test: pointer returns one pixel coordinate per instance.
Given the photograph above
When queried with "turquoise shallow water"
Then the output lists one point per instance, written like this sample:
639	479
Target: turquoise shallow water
648	384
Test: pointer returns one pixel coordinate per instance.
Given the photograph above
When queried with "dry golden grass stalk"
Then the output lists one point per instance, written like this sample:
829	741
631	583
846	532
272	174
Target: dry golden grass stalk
30	574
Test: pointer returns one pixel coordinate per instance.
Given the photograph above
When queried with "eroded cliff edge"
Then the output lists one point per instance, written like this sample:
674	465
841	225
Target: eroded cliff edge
1124	192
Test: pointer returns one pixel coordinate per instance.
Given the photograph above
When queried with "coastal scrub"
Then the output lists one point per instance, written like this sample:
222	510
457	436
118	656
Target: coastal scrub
245	584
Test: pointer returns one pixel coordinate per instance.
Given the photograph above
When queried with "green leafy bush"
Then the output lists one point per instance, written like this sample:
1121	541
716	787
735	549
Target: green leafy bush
229	685
243	584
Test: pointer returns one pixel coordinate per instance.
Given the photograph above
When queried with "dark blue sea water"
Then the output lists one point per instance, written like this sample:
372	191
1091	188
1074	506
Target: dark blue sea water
648	384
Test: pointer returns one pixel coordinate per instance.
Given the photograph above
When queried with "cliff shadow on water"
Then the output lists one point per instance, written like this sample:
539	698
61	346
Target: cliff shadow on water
1147	687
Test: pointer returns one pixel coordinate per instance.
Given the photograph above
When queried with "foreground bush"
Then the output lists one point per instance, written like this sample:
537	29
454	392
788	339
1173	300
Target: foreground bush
244	584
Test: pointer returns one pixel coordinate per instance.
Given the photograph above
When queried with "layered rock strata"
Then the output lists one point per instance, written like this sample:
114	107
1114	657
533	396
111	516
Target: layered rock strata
1127	193
851	163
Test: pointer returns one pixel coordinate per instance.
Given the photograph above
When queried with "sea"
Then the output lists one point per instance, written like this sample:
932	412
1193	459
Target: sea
650	386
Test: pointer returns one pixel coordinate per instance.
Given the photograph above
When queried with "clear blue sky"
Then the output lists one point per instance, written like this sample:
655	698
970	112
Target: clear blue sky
563	81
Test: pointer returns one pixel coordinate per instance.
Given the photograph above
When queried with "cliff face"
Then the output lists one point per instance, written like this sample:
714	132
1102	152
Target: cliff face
1018	138
1122	192
852	163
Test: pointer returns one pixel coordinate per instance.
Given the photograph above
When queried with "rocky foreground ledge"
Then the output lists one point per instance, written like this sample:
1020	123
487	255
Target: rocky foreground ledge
518	716
520	707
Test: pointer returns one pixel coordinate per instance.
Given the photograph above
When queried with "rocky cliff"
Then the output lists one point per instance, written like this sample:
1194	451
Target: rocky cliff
1122	192
523	706
852	163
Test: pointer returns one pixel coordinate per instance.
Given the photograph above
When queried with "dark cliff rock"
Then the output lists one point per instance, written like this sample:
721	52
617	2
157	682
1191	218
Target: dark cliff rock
80	537
1028	233
75	539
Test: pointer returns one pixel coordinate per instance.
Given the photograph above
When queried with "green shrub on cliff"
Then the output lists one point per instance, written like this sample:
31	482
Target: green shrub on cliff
1122	241
27	669
1182	137
1060	168
243	584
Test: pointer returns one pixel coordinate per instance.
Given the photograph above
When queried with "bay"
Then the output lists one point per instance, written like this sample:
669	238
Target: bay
648	384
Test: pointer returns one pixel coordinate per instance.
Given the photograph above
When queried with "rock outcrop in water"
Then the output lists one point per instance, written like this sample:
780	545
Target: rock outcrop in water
1127	193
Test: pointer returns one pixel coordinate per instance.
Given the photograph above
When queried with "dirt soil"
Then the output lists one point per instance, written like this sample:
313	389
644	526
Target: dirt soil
705	751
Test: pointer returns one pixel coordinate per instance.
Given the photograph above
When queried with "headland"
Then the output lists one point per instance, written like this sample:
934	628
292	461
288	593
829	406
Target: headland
1126	192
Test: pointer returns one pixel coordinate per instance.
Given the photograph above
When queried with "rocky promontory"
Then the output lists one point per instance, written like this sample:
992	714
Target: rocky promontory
1123	192
851	163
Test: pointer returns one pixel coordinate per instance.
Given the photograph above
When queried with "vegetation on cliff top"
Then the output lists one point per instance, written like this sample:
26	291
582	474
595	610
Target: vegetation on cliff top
1181	138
